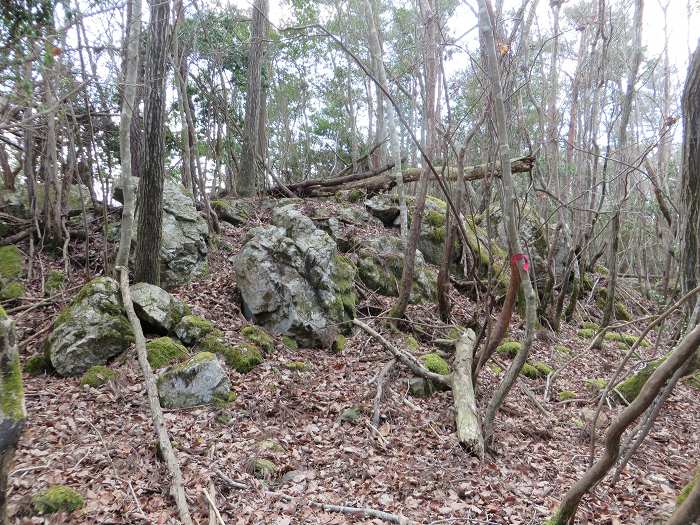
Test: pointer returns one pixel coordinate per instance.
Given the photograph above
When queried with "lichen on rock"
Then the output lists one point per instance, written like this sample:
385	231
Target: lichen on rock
91	330
192	328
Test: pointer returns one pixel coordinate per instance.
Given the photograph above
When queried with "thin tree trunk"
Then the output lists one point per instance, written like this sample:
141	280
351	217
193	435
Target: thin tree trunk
127	113
150	213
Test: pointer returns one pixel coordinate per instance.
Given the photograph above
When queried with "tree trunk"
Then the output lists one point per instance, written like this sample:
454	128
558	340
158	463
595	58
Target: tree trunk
12	411
150	213
246	183
127	113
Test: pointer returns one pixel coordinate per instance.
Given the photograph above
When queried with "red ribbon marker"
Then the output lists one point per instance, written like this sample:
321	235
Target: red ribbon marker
517	257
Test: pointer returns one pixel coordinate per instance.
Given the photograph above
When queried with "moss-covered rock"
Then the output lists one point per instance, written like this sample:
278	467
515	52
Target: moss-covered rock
543	368
57	498
258	337
11	264
91	330
262	468
299	366
192	328
339	344
597	384
236	212
622	313
411	343
536	370
38	364
242	358
613	336
165	351
435	363
589	325
12	291
12	408
509	348
419	387
351	414
565	395
97	375
630	387
198	381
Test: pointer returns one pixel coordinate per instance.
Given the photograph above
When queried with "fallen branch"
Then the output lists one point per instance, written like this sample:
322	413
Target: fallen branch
364	512
166	448
381	380
467	416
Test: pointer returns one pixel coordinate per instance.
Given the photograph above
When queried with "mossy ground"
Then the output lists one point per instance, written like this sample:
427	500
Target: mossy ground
565	395
586	333
259	337
98	375
58	498
536	370
299	366
165	351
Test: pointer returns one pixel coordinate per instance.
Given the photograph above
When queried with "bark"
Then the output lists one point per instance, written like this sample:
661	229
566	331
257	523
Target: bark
430	53
690	178
466	414
509	205
12	410
127	113
247	178
567	509
166	448
689	511
150	213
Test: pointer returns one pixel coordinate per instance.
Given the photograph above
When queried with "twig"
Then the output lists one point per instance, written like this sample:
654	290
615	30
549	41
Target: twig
166	448
381	379
212	505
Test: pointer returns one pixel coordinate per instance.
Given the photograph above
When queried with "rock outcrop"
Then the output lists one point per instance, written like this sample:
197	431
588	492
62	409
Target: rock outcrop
293	281
198	381
157	309
380	266
183	251
91	330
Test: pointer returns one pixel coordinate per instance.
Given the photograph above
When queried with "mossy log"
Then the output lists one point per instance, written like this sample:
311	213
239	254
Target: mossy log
12	410
467	416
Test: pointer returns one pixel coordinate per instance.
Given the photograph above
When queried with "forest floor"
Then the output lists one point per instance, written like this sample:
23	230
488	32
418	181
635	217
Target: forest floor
101	441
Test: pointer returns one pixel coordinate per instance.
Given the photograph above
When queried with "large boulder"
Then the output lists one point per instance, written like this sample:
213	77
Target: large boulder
183	250
342	222
198	381
293	281
91	330
380	267
159	311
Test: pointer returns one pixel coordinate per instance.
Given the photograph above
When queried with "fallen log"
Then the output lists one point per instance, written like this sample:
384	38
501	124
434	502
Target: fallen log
380	180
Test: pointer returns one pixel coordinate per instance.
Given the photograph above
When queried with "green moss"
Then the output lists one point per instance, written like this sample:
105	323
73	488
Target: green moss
37	365
299	366
193	328
356	195
411	343
12	390
97	376
437	235
587	282
12	291
290	342
530	371
688	488
435	363
222	402
165	351
600	269
263	468
54	281
435	218
340	343
630	339
586	333
58	498
343	309
220	205
613	336
3	313
242	358
561	349
543	368
495	369
694	380
259	337
509	348
588	325
565	395
631	386
11	262
597	384
621	312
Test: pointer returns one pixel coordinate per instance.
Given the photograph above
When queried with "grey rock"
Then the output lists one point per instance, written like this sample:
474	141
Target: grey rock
198	381
192	328
293	281
183	250
380	267
233	211
384	207
159	310
91	331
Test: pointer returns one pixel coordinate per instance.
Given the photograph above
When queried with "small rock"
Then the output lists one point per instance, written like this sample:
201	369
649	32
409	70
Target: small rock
158	309
192	328
57	498
97	376
198	381
351	414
